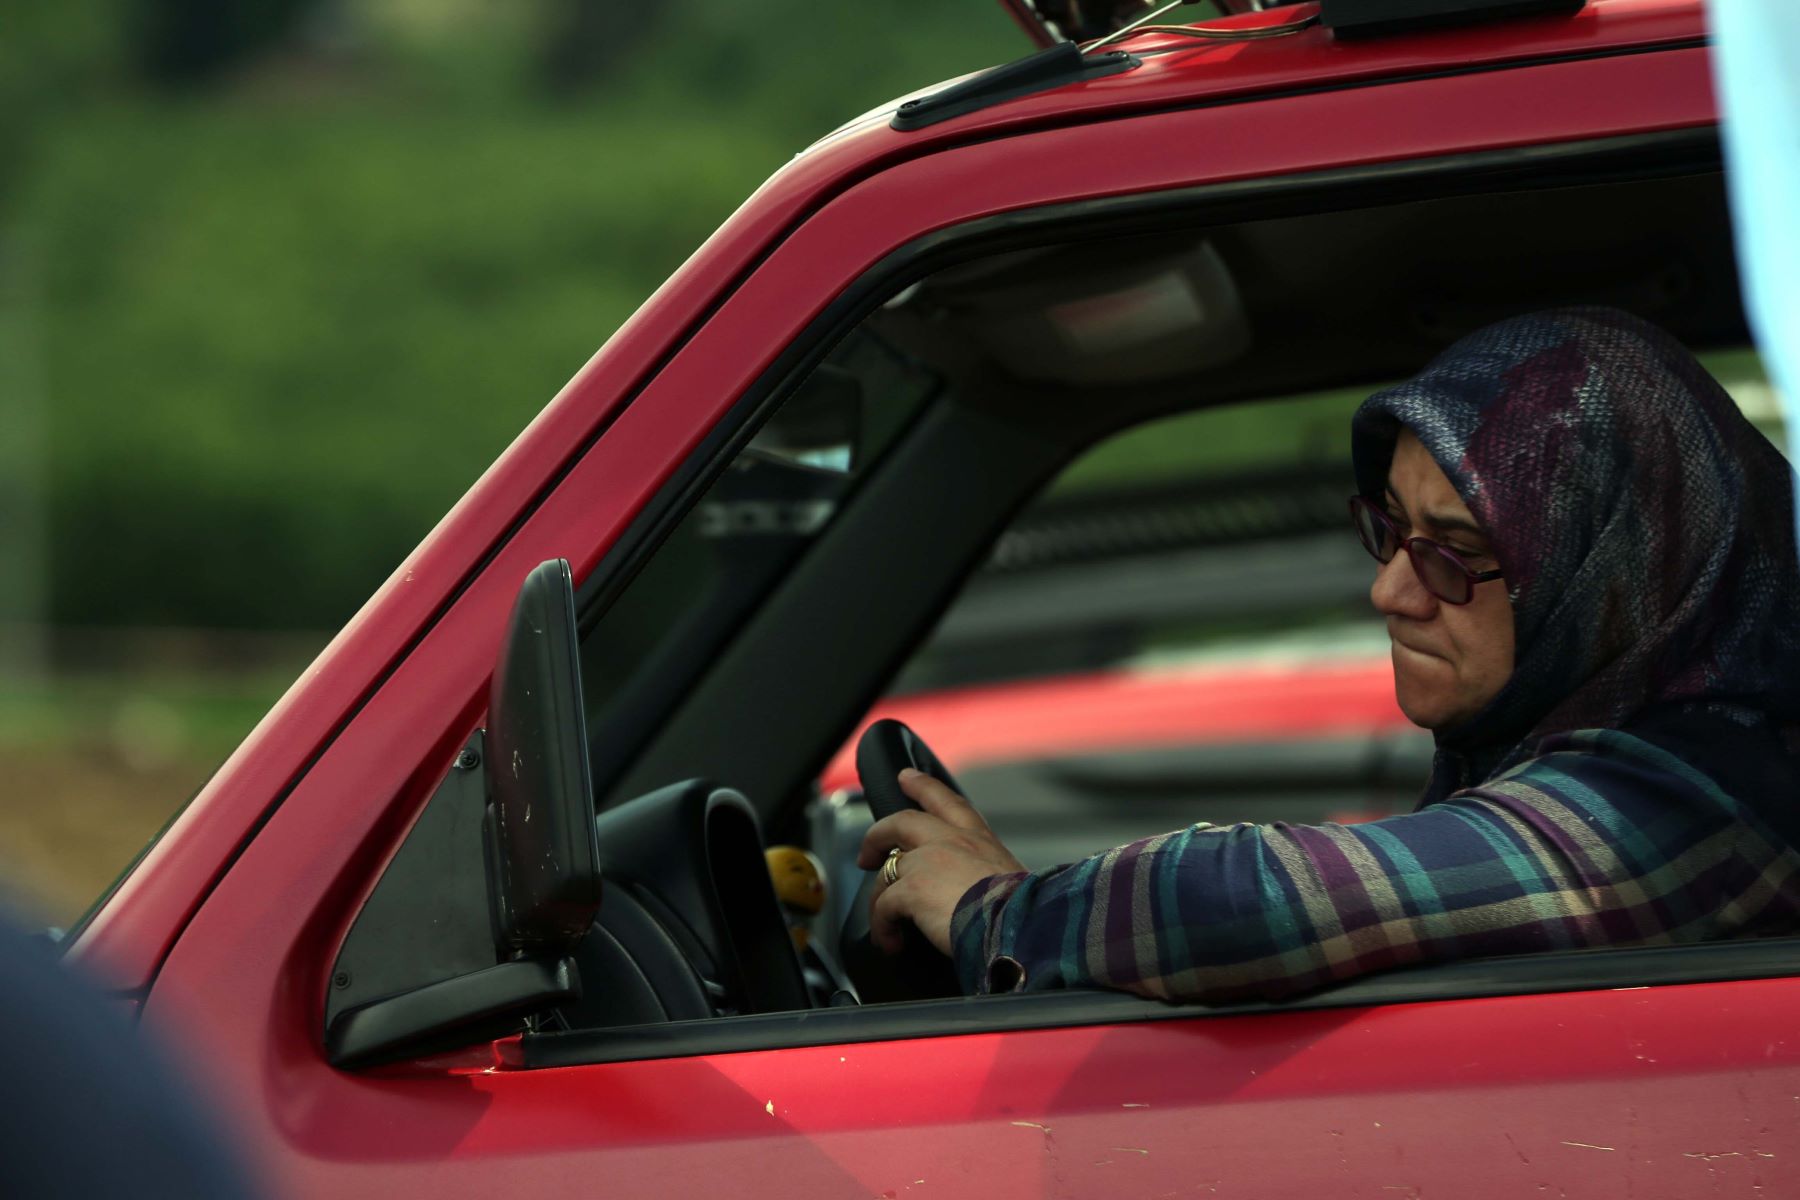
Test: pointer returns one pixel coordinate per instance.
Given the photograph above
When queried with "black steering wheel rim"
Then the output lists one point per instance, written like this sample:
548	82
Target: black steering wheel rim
885	749
918	972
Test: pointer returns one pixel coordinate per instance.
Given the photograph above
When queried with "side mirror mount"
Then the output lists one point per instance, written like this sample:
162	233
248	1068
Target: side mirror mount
471	928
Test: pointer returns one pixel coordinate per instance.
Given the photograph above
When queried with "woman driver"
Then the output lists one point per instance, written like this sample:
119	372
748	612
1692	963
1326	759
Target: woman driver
1589	581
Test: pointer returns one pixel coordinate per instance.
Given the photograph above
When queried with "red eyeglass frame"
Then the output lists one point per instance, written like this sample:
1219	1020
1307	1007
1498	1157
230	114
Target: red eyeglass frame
1416	547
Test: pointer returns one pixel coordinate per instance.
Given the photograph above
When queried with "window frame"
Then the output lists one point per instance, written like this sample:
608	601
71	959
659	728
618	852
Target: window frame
1589	161
1546	974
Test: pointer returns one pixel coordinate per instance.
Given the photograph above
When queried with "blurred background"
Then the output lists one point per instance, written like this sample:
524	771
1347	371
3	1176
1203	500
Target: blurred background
279	278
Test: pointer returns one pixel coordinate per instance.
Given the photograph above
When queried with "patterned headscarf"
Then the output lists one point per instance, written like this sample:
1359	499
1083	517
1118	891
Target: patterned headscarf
1644	526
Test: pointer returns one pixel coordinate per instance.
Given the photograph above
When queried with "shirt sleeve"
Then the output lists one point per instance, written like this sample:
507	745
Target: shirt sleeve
1601	840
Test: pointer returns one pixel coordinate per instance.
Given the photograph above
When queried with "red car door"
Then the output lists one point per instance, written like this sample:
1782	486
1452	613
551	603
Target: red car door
228	931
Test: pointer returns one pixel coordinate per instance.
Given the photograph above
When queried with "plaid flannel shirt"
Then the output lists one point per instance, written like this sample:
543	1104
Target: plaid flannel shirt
1602	839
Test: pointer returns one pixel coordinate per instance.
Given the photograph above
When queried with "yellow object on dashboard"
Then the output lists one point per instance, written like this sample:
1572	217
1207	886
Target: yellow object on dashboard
800	886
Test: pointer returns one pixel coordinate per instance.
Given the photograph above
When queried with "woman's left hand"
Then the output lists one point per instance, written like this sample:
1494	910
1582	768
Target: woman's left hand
945	850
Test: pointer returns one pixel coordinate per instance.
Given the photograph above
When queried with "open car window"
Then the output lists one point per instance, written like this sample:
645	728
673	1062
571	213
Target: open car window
1178	628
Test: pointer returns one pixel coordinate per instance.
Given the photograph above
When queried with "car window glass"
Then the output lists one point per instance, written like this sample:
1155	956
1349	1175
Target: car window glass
749	528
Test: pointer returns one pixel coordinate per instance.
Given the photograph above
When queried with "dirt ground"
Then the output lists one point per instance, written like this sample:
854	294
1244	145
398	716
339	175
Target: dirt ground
74	816
105	735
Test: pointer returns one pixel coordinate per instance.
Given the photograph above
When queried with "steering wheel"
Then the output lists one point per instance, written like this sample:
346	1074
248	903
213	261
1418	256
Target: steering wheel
918	972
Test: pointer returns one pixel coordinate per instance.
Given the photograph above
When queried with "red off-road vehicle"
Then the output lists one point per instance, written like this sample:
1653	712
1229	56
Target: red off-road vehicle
480	908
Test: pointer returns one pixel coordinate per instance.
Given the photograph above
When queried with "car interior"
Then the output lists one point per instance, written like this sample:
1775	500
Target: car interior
1095	438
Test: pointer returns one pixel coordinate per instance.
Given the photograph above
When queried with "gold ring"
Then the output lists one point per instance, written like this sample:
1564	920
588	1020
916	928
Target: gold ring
890	870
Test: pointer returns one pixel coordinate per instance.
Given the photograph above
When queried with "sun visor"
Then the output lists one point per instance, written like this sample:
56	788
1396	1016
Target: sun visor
1126	327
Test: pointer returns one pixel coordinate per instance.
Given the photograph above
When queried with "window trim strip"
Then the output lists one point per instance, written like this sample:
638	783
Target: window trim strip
1520	975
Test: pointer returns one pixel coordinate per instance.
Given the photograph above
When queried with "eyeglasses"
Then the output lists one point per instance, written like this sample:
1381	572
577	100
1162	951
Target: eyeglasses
1439	568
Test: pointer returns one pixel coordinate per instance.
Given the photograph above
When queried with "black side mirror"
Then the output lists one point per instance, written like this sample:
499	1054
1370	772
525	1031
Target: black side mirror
470	930
544	850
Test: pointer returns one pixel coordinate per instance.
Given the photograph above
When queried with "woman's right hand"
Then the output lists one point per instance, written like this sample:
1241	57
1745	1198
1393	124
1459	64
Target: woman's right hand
945	850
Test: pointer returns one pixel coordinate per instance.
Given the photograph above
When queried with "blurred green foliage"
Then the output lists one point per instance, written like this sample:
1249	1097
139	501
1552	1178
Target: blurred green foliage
49	55
291	297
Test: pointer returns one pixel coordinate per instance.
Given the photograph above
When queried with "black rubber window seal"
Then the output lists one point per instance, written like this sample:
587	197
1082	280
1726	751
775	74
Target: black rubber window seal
1540	974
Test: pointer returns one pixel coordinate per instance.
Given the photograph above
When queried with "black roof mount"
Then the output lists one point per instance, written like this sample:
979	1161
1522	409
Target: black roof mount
1377	18
1050	67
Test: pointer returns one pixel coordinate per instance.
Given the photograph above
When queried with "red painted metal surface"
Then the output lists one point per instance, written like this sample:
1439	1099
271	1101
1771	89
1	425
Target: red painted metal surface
1296	1104
1604	1094
131	936
1125	710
